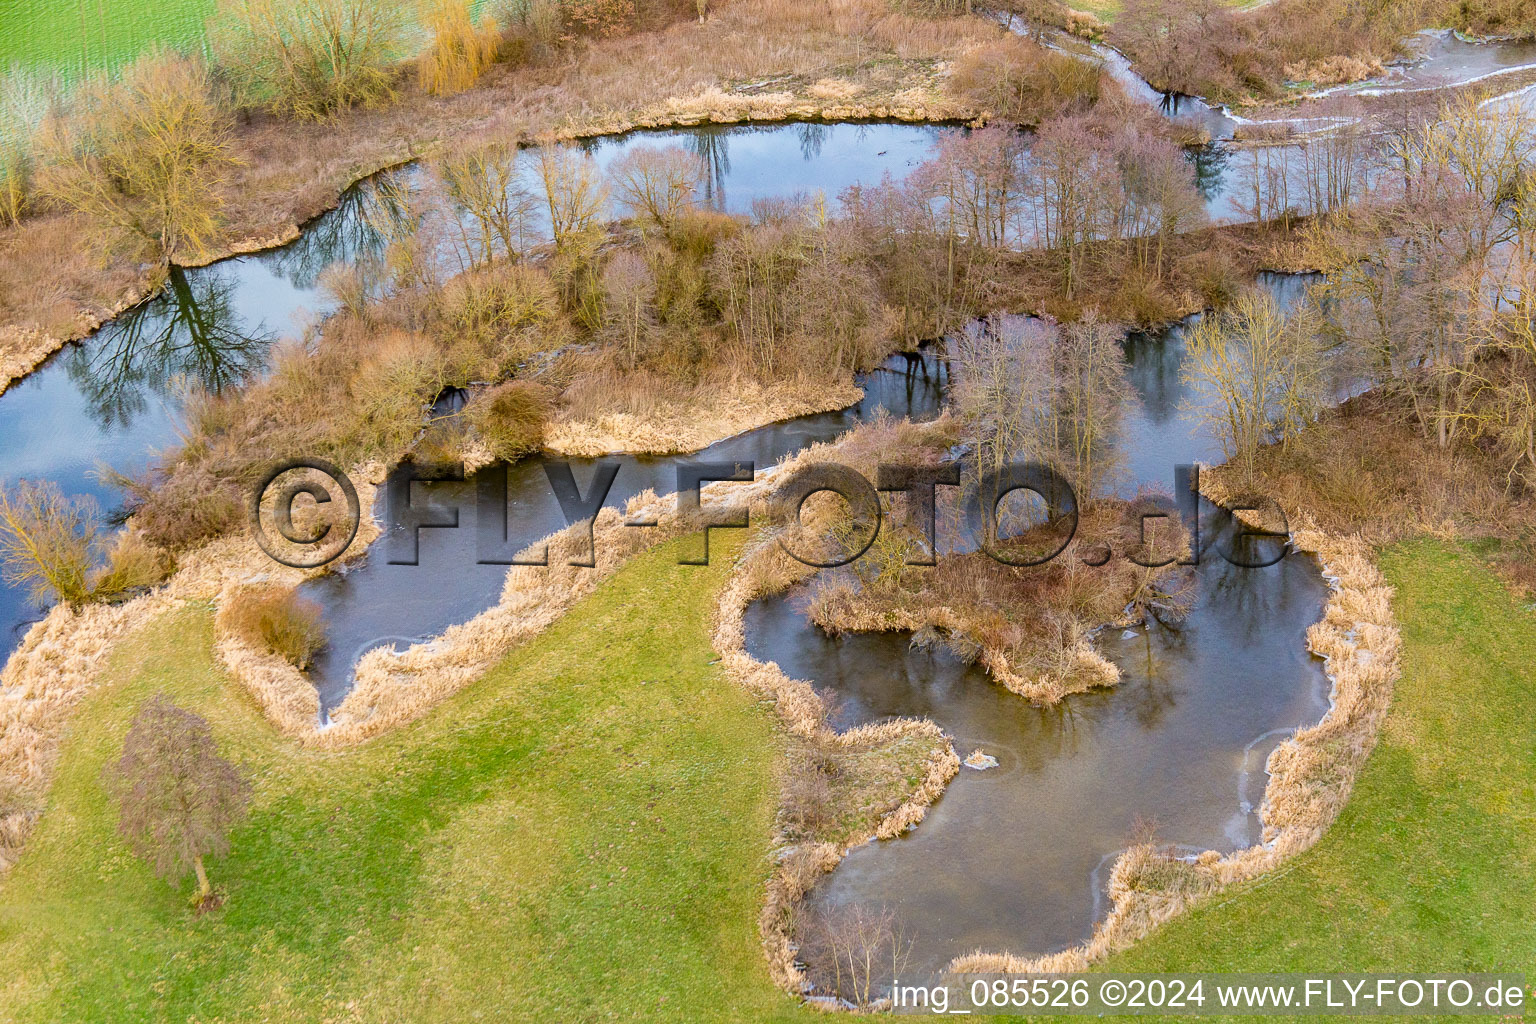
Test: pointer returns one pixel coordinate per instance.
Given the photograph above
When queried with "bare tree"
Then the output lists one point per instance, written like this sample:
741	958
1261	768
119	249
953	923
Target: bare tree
574	194
177	797
494	208
855	950
145	158
1261	374
1091	397
657	184
26	96
977	178
1073	186
1159	194
1168	39
1265	179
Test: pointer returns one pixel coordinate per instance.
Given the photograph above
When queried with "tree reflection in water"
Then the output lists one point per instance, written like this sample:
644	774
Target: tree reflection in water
349	233
190	334
812	136
1210	163
709	144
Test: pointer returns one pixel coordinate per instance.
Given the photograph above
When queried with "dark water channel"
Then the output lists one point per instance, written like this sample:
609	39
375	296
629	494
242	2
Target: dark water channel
1017	857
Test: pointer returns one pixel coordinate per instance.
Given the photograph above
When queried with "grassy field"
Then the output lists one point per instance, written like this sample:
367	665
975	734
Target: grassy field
87	35
1432	865
585	831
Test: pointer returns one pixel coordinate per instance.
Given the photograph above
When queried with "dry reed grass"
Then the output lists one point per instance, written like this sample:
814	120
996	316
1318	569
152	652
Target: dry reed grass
765	568
644	422
762	570
1310	775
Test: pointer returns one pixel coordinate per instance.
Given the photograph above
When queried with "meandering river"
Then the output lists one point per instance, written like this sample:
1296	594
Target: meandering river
1014	857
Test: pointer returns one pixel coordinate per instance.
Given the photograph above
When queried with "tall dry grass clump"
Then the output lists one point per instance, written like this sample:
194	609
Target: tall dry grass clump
309	59
461	49
143	159
279	621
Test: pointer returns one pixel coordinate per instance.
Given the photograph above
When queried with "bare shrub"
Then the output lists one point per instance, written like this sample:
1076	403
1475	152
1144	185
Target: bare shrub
132	564
852	951
144	158
177	798
510	418
600	18
794	296
47	541
309	58
629	291
492	321
1023	82
808	800
461	50
279	621
531	28
181	509
656	184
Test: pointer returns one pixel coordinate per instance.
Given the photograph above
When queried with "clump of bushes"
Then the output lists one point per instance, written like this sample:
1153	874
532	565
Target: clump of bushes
1023	82
279	621
510	418
309	59
177	511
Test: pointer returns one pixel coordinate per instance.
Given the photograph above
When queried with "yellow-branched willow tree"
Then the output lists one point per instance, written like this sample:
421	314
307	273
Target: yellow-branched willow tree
143	159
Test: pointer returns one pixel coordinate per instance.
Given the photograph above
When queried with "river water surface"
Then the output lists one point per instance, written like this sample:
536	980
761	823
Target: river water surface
1017	857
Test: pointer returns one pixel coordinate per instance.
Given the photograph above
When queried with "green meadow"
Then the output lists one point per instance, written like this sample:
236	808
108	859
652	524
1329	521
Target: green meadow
72	37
